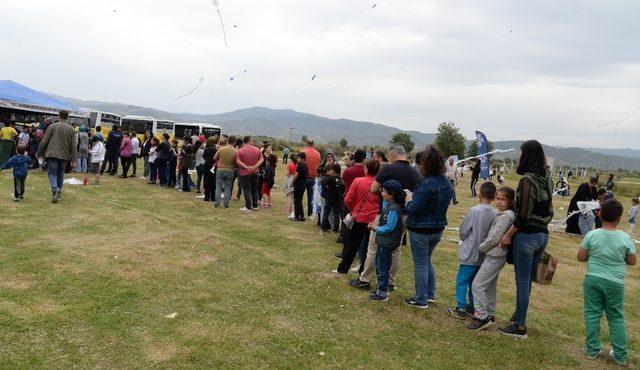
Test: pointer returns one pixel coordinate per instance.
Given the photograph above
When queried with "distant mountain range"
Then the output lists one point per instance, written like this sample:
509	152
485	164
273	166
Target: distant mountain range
280	123
273	122
578	157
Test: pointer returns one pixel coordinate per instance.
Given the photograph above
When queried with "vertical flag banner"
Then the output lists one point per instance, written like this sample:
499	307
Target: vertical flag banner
483	148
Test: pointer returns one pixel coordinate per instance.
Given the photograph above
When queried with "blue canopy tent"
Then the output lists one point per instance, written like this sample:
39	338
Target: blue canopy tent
14	96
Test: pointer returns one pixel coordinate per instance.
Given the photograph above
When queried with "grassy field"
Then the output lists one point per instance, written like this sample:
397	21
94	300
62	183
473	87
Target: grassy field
88	283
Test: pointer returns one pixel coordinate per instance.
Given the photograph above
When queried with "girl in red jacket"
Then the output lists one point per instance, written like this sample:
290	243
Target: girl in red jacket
364	208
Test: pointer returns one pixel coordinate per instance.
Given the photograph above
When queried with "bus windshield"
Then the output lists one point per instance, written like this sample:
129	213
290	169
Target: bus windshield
211	131
137	126
182	131
164	126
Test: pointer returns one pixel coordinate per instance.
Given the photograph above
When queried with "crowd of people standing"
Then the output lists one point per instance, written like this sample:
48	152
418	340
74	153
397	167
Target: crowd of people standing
382	204
373	207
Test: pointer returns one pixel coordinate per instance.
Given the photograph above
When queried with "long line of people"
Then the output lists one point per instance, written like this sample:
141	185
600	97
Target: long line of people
373	207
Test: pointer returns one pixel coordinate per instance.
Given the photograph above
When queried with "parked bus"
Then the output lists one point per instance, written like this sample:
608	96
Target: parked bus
183	129
141	124
105	120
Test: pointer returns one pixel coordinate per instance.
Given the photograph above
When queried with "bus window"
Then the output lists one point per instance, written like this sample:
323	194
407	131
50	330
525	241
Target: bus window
137	126
182	131
209	131
163	126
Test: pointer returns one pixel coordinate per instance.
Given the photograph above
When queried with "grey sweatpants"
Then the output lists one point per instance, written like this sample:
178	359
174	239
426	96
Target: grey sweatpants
485	286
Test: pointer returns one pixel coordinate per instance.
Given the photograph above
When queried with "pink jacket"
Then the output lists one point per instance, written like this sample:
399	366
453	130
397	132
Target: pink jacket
126	147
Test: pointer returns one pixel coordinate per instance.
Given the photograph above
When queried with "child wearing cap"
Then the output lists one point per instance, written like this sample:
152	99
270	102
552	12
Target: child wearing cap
388	235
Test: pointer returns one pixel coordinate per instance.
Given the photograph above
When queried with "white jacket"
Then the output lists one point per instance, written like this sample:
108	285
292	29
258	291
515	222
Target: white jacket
97	152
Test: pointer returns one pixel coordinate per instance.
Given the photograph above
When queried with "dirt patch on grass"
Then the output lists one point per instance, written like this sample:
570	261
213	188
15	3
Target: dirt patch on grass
46	306
157	351
17	282
199	262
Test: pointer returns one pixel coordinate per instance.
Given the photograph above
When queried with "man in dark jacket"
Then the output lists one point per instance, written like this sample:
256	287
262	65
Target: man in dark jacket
59	145
114	139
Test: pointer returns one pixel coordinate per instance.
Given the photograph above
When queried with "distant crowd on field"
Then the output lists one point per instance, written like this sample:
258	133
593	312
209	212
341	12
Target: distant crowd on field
375	203
586	203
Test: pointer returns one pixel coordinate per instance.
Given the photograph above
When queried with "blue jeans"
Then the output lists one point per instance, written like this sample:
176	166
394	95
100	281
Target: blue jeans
527	251
55	171
422	247
310	183
224	178
383	266
464	279
81	164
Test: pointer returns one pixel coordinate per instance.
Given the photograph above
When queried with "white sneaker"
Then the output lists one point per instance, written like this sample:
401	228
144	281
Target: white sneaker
355	269
244	209
594	356
613	357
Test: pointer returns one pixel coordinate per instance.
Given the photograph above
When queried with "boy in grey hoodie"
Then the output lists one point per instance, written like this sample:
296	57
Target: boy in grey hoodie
484	285
473	231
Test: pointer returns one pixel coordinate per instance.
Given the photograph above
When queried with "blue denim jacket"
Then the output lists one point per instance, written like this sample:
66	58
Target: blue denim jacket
431	199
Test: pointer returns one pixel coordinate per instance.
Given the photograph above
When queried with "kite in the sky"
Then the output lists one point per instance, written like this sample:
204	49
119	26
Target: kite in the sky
339	85
237	75
313	78
191	91
374	5
613	122
216	4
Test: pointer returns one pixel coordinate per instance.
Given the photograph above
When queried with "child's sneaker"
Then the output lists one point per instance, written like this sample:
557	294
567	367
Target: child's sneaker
244	209
595	356
378	298
458	313
21	196
613	357
479	324
431	300
357	283
16	199
411	302
513	330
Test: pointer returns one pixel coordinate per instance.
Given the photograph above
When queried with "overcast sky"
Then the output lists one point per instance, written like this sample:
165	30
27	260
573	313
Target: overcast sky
552	70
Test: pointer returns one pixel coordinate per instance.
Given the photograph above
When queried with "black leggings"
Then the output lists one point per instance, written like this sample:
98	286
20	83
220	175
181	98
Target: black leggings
209	184
298	193
474	181
358	232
